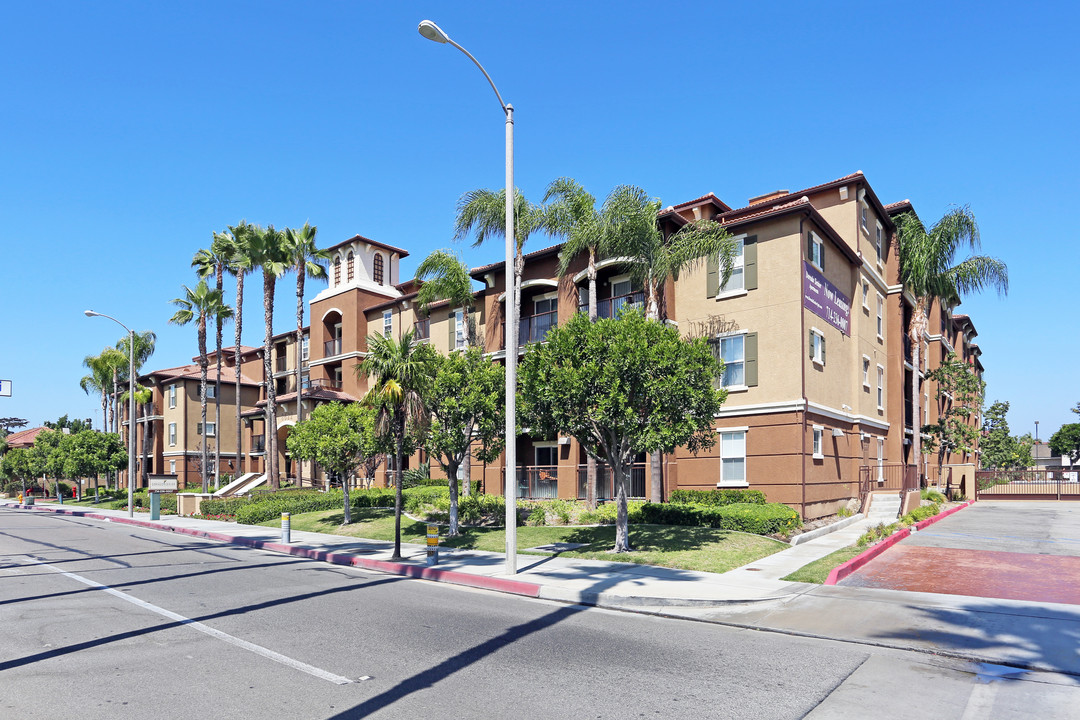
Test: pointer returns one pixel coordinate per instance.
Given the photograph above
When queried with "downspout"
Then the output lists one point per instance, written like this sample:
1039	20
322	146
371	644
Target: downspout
802	366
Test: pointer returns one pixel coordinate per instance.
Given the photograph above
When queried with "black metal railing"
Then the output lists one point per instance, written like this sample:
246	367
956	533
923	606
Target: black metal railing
538	482
532	328
332	347
891	477
282	365
610	307
605	482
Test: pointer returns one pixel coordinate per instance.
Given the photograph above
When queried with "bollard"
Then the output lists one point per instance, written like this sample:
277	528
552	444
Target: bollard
286	528
432	544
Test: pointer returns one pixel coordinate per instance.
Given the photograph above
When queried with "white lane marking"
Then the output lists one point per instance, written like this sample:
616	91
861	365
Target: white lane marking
194	625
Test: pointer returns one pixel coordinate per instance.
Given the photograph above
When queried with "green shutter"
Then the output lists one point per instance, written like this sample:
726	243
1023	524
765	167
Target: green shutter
712	276
750	359
453	329
750	262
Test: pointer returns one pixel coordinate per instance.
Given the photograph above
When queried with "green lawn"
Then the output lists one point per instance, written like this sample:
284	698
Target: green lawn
818	571
685	548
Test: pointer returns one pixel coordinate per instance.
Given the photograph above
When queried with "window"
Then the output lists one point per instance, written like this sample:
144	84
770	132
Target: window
172	396
211	429
547	455
815	251
172	467
926	408
880	317
377	269
619	286
733	353
733	458
349	265
211	390
866	294
387	323
305	351
459	329
880	388
736	281
879	243
866	371
863	212
172	434
881	459
818	433
817	347
337	270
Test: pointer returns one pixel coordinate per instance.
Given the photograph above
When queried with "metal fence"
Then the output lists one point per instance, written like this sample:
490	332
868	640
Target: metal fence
1027	485
890	477
605	482
538	482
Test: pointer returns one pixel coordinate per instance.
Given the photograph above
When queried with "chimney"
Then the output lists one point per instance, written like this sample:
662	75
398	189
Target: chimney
774	195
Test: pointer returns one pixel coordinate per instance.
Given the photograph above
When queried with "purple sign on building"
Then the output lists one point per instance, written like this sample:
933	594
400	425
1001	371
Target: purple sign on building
825	300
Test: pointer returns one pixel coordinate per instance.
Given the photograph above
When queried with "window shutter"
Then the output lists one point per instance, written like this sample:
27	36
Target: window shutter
822	349
750	262
810	246
811	344
453	329
750	360
712	276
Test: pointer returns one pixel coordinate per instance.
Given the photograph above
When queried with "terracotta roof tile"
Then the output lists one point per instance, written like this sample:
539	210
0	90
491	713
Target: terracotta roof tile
23	438
389	248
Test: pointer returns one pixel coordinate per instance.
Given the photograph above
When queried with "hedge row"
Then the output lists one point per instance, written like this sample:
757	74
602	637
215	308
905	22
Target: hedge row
717	497
767	519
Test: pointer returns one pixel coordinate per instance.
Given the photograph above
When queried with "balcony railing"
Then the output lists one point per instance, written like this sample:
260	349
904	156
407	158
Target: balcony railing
538	482
258	443
610	307
325	384
332	348
281	365
533	328
605	482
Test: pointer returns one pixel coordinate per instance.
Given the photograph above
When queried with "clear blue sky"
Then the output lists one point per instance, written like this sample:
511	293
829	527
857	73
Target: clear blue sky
131	131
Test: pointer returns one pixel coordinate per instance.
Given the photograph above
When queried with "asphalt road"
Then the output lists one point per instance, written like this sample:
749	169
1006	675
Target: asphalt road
106	621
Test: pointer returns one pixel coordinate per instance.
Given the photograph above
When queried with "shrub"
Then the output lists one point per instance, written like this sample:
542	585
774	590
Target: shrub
843	512
415	498
605	514
879	532
767	519
920	513
723	496
417	476
933	495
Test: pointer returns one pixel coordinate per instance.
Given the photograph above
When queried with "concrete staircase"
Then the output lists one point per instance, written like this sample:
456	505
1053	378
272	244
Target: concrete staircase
884	508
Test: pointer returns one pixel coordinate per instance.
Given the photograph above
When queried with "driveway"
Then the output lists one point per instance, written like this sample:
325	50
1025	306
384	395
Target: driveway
1014	550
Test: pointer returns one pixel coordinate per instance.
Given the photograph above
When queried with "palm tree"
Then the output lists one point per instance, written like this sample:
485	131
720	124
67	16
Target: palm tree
143	395
267	250
630	219
309	262
929	271
238	265
207	263
401	371
145	342
201	305
100	379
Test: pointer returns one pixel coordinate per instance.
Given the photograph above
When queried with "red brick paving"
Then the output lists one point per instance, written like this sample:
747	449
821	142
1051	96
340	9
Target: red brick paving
981	573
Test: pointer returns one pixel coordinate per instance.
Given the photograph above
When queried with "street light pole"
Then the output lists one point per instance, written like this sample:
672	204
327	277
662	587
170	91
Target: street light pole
434	33
131	407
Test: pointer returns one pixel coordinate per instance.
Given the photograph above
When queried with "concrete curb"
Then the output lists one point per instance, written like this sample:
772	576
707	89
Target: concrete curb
838	525
842	571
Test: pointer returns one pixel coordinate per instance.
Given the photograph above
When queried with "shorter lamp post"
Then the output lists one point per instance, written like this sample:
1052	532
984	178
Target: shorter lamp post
131	407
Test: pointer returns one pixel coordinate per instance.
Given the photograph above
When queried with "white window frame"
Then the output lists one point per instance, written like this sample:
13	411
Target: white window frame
881	459
738	263
211	388
172	434
866	371
459	328
881	387
172	467
172	396
817	255
720	349
615	280
819	342
547	446
864	216
879	242
211	429
819	441
733	482
880	317
305	348
388	323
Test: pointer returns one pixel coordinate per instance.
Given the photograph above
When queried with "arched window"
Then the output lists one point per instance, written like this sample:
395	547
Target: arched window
377	269
337	270
349	267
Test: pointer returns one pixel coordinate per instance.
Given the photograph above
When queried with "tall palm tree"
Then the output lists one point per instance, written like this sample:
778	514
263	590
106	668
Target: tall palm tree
401	371
267	251
201	305
100	379
212	263
309	262
929	271
144	345
238	265
143	395
631	220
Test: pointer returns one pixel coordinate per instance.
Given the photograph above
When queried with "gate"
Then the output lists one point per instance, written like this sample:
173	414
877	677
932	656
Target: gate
890	477
1027	485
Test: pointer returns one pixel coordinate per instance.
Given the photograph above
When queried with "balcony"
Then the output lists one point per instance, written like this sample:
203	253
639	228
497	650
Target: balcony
532	328
332	348
538	482
610	307
325	384
605	482
281	364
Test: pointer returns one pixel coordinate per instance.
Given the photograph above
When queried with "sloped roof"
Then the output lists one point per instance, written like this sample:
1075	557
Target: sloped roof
191	372
23	438
389	248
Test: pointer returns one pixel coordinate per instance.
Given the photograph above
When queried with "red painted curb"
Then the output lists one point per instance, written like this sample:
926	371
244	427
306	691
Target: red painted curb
842	571
422	572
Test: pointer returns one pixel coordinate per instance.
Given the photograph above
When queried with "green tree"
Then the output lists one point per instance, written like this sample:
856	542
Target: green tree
1000	450
10	424
73	425
621	386
15	465
211	263
89	453
267	250
238	264
1066	441
443	276
309	262
401	372
466	400
47	456
201	305
929	271
339	438
959	396
102	378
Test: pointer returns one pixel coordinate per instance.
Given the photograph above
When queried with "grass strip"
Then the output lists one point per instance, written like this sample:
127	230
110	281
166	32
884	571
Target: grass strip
818	570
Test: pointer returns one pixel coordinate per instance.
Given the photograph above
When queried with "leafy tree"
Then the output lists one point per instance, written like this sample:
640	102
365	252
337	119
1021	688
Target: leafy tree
621	386
15	465
89	453
200	306
959	395
143	396
309	262
929	271
1066	441
72	425
102	378
46	456
401	372
466	401
10	424
339	438
1000	450
443	276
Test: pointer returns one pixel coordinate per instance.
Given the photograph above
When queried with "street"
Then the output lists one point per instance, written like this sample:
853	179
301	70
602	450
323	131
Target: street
99	620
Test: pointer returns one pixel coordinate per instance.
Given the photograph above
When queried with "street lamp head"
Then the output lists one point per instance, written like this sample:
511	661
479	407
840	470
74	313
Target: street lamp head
89	313
433	32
